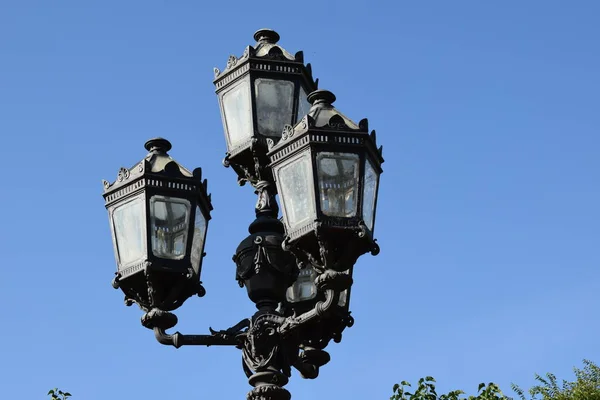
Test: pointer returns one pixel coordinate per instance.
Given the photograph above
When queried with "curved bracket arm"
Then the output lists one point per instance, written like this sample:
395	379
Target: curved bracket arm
177	339
159	321
321	308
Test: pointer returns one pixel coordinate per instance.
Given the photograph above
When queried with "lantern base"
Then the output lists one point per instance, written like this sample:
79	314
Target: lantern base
157	318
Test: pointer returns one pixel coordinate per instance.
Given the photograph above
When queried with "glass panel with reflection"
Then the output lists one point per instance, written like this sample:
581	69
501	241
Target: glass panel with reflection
338	183
296	191
237	113
128	223
369	192
274	105
198	239
169	219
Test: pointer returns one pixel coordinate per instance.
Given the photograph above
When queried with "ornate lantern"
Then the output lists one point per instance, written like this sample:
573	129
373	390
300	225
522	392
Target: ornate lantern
260	92
158	212
327	171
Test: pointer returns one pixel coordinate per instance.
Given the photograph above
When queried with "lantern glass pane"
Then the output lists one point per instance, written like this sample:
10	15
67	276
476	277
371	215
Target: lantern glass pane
128	223
169	222
304	288
274	105
198	239
237	113
338	183
303	105
295	185
369	193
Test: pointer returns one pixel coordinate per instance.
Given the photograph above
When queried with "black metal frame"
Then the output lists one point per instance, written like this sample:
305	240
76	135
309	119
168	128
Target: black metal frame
280	335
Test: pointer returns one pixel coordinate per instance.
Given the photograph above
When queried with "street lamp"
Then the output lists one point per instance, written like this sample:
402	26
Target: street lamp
297	269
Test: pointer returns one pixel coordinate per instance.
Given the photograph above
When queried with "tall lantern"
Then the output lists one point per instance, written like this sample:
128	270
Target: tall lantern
260	92
158	212
327	171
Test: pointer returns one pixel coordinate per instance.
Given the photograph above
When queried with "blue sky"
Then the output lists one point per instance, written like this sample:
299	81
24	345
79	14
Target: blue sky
488	212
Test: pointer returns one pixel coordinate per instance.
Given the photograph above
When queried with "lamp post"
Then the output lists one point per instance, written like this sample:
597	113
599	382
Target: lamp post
283	136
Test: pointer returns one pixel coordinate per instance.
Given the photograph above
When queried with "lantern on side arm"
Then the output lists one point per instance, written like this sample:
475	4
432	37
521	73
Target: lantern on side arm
158	213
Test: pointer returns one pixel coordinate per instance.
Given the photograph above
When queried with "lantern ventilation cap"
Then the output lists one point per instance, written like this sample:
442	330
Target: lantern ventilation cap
158	145
266	36
321	96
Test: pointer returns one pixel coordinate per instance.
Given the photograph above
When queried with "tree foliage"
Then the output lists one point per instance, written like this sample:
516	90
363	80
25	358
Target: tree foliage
586	386
426	391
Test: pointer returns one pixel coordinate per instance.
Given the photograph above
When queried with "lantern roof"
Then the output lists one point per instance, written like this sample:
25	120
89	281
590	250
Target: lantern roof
266	42
157	162
323	116
158	159
324	113
266	48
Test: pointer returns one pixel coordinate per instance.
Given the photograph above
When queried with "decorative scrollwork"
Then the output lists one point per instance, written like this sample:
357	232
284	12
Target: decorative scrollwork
269	392
123	174
330	279
324	251
304	122
231	61
364	232
338	123
115	281
236	330
261	347
288	132
261	258
303	257
258	169
225	161
266	203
